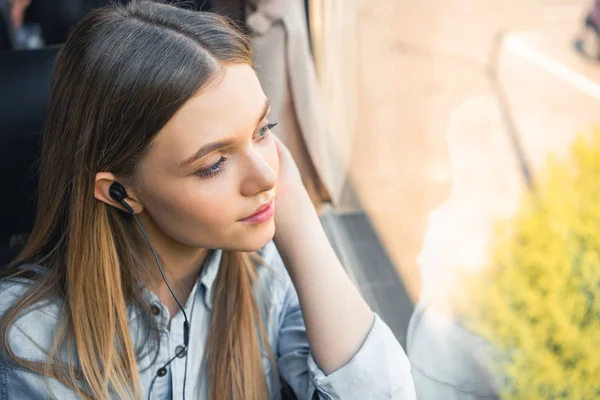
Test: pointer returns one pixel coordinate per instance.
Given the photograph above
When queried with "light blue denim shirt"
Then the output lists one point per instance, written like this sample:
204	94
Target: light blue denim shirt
379	370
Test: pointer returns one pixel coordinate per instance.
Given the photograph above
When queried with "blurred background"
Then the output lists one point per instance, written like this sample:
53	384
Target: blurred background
453	108
424	131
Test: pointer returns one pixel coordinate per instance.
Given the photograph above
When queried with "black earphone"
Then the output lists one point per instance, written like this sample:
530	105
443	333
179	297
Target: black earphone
117	193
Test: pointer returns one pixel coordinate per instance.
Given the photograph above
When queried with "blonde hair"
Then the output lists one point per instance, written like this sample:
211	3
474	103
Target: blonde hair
106	107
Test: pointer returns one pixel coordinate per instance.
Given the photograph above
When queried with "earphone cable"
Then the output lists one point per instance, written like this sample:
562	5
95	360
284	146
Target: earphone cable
186	324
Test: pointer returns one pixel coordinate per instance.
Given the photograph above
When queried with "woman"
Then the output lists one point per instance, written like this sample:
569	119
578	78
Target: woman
158	134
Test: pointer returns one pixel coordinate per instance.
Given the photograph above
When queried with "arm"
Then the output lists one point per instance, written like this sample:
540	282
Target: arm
352	351
336	316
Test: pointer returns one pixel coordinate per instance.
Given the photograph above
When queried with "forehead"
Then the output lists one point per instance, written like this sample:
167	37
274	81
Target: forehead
228	108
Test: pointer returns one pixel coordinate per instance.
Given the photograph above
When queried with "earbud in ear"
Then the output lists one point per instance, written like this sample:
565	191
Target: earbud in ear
117	192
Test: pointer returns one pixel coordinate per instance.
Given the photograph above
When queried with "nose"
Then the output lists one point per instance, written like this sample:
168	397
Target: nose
258	175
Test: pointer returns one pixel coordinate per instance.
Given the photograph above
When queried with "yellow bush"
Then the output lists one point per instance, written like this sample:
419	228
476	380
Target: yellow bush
539	304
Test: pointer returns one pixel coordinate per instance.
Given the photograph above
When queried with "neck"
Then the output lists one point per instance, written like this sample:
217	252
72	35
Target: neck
181	264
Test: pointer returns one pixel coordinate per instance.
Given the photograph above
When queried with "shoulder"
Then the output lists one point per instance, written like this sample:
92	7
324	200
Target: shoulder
11	290
31	334
272	274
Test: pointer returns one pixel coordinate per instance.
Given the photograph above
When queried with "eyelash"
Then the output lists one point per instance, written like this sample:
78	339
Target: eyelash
217	168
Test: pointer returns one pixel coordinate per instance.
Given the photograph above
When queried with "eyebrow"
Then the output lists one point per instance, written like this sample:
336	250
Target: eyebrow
209	148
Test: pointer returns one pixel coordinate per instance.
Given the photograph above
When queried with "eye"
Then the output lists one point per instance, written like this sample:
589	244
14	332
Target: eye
215	169
264	132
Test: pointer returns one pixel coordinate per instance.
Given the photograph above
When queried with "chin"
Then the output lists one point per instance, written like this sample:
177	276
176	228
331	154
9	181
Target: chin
258	240
255	239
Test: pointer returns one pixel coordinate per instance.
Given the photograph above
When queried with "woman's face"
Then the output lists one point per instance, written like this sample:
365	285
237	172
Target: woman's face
213	165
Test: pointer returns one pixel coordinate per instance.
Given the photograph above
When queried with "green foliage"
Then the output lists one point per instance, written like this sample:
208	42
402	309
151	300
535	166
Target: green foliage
539	304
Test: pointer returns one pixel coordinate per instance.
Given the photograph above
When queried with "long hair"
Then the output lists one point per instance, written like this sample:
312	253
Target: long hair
122	74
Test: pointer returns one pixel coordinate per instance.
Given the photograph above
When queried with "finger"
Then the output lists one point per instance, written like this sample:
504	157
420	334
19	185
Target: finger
281	148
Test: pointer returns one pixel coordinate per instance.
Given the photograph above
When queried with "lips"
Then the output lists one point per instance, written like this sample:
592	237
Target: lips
261	209
262	213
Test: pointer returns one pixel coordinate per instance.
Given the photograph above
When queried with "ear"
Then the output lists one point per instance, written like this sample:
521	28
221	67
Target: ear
101	192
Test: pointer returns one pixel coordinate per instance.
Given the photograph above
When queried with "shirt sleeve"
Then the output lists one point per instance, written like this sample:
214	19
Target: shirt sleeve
379	370
29	338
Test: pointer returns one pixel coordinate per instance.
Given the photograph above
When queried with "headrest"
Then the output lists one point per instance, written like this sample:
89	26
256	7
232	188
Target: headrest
7	32
25	79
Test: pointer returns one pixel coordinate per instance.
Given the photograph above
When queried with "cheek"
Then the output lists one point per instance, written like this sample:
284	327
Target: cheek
207	204
214	210
194	212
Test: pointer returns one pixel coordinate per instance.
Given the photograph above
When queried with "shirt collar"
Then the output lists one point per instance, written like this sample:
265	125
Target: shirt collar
209	275
207	279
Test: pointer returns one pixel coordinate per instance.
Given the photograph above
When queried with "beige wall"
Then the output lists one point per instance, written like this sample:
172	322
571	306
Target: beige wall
348	55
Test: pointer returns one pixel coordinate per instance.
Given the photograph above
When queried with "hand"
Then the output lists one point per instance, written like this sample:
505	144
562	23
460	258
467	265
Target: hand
289	179
292	202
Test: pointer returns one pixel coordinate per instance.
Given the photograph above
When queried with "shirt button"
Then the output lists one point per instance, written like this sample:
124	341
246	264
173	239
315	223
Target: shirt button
180	351
161	372
155	310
